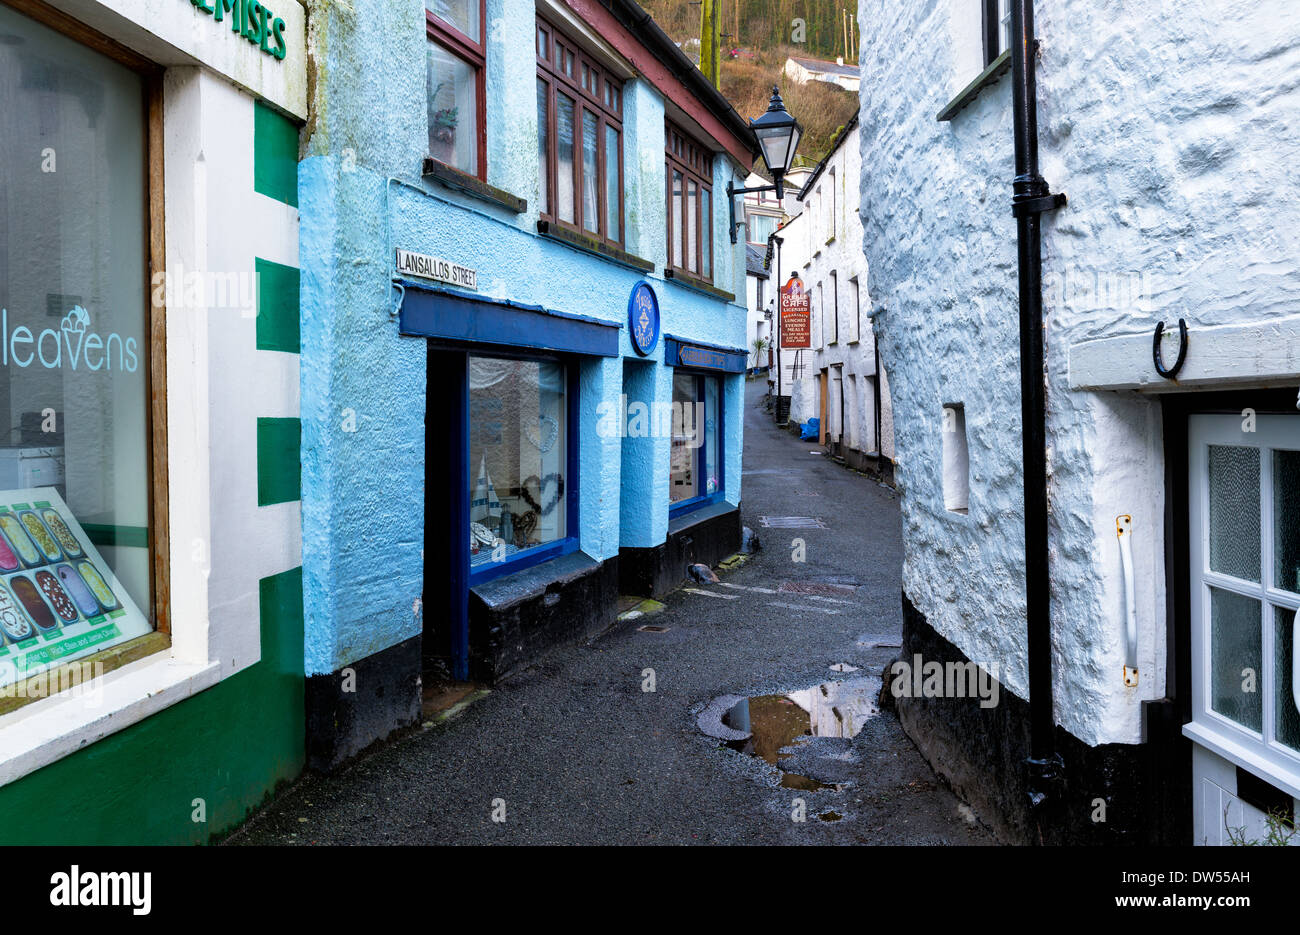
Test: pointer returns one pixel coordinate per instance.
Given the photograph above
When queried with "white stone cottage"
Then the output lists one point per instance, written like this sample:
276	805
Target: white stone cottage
1173	129
838	380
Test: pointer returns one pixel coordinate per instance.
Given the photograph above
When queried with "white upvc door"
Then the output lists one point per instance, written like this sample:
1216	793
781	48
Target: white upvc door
1244	492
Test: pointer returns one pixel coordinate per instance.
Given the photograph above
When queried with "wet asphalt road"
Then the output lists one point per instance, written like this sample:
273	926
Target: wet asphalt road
579	754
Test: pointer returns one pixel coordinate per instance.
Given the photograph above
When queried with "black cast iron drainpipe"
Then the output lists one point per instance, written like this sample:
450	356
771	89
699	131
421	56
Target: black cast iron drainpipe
1031	198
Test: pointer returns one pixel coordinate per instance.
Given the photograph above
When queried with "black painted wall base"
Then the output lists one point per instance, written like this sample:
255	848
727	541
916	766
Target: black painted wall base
706	536
980	752
365	702
515	619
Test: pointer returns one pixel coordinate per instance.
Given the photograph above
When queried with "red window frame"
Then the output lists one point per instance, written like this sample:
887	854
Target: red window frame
455	42
695	163
562	65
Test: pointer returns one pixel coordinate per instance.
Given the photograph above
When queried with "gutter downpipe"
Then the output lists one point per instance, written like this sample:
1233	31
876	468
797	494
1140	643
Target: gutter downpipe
1031	198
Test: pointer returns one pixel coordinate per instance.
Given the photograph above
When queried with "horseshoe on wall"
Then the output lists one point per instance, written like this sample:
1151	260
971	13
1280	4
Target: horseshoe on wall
1171	372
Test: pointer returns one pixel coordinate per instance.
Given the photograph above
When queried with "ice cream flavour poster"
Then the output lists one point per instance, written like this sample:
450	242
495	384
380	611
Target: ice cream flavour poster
59	600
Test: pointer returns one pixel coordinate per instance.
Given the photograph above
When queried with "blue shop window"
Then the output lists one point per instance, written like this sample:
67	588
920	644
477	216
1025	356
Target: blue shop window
522	475
695	467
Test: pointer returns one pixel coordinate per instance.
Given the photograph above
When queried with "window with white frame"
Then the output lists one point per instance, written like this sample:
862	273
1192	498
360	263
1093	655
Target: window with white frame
997	28
1244	512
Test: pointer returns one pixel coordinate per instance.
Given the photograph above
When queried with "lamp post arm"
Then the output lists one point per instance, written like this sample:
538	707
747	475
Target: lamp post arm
732	192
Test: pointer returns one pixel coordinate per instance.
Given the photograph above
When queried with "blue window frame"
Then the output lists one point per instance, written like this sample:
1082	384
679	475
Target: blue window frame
695	468
521	452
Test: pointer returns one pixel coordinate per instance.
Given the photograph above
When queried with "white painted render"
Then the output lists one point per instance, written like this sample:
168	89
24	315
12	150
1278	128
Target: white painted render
1180	175
823	244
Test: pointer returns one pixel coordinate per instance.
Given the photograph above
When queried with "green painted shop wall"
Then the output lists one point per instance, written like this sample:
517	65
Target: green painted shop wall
229	745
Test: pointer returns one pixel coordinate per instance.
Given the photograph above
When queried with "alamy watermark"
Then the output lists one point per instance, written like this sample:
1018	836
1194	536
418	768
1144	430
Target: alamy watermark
682	422
920	679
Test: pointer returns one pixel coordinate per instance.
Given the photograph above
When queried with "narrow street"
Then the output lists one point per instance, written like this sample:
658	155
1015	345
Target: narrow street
580	754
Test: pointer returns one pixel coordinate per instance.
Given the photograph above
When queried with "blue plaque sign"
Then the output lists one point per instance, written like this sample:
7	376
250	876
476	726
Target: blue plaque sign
643	318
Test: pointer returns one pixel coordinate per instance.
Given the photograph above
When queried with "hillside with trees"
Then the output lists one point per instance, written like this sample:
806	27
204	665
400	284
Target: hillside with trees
766	33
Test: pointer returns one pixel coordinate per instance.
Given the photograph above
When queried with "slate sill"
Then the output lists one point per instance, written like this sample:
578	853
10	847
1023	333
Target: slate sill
697	285
999	67
595	247
471	185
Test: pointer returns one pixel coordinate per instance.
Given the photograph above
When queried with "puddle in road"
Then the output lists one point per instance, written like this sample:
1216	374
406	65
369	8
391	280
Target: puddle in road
830	709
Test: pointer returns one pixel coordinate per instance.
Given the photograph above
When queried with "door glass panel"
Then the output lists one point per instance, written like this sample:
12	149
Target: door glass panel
682	471
518	454
1236	669
1234	511
1286	520
1284	698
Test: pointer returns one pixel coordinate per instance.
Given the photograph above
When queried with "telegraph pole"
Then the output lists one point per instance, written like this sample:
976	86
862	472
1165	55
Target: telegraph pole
709	10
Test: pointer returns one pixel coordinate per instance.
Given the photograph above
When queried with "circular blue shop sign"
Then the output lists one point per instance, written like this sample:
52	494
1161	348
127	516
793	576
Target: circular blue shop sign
643	318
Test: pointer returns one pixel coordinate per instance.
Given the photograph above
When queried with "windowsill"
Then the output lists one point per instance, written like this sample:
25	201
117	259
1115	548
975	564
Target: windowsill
471	185
697	510
534	580
1000	66
1242	754
107	660
48	730
586	244
687	281
529	558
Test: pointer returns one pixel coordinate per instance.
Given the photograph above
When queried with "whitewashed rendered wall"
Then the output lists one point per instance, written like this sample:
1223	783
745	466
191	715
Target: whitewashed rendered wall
814	252
1171	126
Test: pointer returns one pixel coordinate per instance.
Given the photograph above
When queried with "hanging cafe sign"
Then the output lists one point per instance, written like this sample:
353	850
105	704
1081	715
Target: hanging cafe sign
255	22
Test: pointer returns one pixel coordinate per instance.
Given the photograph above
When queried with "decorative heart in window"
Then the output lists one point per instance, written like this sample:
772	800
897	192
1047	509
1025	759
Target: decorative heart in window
547	425
550	490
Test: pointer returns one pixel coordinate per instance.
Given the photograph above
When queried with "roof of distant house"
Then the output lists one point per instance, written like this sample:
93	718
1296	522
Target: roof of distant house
755	260
845	132
828	68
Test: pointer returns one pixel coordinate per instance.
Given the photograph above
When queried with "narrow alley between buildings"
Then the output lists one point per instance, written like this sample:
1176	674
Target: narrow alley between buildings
623	740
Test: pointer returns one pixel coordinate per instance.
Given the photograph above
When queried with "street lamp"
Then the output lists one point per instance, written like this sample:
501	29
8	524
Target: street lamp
778	137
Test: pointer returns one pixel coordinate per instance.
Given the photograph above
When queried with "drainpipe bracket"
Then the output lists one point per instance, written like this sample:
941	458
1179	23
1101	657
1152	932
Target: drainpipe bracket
1022	206
1044	779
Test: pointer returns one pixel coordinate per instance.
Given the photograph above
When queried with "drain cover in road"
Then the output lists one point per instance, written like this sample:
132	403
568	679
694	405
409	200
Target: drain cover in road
792	522
815	587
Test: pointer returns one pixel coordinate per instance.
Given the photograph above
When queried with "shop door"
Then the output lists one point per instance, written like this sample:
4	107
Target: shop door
1244	550
445	643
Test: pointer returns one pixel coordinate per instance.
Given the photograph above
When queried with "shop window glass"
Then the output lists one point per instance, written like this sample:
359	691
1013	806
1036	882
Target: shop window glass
518	457
695	469
683	475
75	569
712	476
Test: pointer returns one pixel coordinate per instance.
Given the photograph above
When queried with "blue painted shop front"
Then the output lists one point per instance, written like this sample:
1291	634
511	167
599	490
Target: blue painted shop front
468	500
503	465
